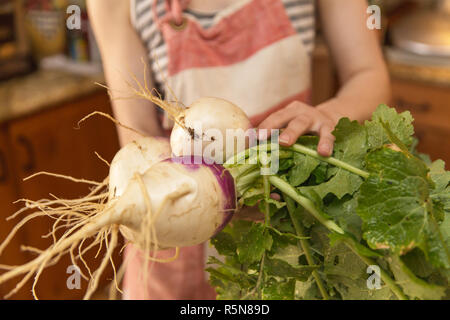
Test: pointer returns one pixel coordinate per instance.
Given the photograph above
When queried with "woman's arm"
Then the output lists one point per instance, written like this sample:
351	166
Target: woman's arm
362	73
122	51
358	58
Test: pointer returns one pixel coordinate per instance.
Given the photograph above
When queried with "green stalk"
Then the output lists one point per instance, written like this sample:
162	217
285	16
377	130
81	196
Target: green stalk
247	179
305	245
300	149
286	188
338	163
266	224
242	169
260	276
239	158
266	203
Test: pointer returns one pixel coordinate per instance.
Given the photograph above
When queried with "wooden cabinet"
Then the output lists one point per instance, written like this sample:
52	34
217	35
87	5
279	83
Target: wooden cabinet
49	141
12	255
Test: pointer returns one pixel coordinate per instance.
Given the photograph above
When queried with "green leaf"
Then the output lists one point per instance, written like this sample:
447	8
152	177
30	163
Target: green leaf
340	260
224	286
253	195
224	243
413	286
392	201
415	260
238	229
278	289
307	219
402	208
282	269
320	173
309	141
289	253
255	243
307	290
341	184
351	147
347	272
343	211
302	169
351	142
285	164
441	179
437	243
399	123
356	289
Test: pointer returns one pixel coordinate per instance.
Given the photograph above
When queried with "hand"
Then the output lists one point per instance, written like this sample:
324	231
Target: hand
299	118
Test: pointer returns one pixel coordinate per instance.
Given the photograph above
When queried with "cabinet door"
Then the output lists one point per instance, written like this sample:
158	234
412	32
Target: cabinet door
12	255
430	107
50	142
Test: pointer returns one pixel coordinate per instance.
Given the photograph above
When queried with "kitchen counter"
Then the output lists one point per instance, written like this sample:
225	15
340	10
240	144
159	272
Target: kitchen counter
43	89
407	66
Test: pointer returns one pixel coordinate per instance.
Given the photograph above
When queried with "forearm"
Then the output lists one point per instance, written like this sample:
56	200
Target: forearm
358	58
125	135
360	95
128	108
137	114
122	51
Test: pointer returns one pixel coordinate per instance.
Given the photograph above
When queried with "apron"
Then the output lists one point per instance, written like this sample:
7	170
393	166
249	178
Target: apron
251	56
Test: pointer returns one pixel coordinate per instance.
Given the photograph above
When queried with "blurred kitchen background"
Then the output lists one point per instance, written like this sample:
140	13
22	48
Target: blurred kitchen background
47	84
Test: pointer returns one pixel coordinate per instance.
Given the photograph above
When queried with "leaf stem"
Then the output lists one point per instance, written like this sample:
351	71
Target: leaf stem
338	163
266	203
291	235
286	188
305	245
260	276
266	224
246	180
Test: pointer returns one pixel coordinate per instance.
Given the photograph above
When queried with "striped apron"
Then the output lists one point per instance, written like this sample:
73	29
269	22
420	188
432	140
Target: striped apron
256	54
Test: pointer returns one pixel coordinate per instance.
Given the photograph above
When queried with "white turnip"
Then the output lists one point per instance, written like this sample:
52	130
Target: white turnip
135	157
211	127
174	203
155	201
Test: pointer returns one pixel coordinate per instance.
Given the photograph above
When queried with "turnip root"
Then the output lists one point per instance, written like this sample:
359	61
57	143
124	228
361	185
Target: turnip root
173	203
155	201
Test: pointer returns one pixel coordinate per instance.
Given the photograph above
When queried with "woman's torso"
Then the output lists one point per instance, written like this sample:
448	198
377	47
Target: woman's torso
255	53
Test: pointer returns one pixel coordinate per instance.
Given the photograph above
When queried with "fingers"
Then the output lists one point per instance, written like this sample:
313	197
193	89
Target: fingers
299	119
275	196
279	119
326	141
297	127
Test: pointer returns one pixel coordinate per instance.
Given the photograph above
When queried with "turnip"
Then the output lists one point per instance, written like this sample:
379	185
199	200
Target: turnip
210	127
146	151
172	203
155	201
221	127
